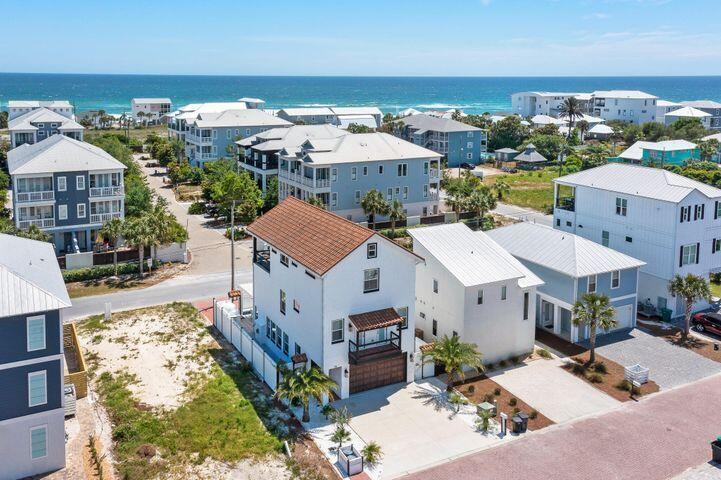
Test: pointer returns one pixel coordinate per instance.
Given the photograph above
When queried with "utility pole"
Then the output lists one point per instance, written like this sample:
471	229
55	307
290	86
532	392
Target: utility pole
232	247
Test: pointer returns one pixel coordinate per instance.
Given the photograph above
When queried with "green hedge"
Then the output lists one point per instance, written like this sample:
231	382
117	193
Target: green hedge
101	271
196	208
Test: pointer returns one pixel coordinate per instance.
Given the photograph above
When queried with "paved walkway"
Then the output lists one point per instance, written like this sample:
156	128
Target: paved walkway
657	438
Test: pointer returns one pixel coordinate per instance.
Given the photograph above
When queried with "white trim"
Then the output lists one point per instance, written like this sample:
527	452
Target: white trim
619	279
80	185
623	297
27	332
31	375
65	184
557	302
44	426
31	361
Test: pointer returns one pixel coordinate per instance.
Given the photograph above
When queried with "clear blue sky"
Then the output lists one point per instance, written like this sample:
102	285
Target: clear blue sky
363	37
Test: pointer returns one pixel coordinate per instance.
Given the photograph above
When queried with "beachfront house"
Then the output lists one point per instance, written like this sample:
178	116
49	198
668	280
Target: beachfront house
39	124
152	109
710	107
179	120
335	295
17	108
529	104
341	117
668	221
342	170
663	107
32	417
457	142
571	266
658	154
66	188
631	106
471	287
212	135
258	154
688	113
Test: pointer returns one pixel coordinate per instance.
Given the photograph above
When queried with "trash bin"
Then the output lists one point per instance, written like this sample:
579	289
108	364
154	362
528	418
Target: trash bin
666	314
517	424
524	421
716	450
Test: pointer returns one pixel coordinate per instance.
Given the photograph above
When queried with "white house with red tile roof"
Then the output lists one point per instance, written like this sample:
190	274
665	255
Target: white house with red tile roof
335	291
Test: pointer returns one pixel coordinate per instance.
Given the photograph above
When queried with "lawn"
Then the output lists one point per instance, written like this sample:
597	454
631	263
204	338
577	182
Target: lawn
716	289
137	133
529	189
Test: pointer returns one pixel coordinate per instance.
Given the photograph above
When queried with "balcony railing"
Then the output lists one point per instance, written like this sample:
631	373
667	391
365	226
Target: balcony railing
38	222
568	204
104	217
303	180
269	164
35	196
107	191
435	172
368	351
262	259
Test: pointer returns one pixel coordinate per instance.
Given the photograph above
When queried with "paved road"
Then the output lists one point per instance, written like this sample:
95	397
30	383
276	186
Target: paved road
525	214
657	438
183	288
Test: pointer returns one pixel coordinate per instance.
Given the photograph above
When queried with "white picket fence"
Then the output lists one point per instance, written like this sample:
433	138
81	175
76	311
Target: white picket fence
226	319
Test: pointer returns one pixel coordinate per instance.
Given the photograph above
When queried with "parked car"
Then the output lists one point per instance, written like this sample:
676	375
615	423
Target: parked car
707	322
467	166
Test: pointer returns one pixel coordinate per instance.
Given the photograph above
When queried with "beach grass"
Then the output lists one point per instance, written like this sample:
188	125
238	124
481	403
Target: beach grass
529	189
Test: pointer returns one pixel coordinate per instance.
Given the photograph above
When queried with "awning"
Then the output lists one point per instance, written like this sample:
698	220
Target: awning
376	319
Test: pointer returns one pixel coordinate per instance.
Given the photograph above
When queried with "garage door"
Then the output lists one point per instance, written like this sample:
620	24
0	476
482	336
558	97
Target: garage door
624	316
378	373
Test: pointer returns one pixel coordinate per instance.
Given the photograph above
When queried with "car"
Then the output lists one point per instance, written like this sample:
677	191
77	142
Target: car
707	322
467	166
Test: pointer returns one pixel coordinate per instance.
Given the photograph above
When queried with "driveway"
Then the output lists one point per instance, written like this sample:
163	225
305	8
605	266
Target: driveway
670	366
554	392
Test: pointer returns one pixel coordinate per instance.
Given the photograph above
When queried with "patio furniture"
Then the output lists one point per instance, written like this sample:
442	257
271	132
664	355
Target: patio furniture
486	407
636	373
351	460
647	309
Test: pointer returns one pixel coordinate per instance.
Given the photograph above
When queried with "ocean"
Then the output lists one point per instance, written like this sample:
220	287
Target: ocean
391	94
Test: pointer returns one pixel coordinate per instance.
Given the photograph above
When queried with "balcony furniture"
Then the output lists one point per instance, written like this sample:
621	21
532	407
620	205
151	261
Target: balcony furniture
647	309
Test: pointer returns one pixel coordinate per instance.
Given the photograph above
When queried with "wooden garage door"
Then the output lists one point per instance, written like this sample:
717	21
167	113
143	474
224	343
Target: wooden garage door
378	373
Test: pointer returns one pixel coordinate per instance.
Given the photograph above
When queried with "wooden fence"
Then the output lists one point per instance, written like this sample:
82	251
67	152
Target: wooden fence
74	361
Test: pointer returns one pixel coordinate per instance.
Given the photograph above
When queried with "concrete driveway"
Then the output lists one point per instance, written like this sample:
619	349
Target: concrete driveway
670	366
557	394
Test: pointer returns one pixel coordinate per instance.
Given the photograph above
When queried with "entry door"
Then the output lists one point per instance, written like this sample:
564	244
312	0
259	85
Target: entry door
547	312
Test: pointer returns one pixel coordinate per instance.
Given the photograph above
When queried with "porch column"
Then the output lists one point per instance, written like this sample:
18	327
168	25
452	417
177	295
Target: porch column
574	333
556	319
88	240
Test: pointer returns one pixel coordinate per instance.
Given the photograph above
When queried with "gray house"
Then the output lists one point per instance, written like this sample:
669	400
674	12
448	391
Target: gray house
342	170
570	266
32	294
67	188
39	124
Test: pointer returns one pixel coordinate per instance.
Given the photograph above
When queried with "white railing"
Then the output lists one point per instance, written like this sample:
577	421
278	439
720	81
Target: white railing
38	222
104	217
35	196
206	156
303	180
434	172
106	191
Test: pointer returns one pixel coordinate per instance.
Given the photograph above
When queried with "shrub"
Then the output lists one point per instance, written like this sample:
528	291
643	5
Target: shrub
578	369
515	359
490	365
488	397
624	385
515	411
533	414
543	353
496	391
513	401
502	363
401	232
100	271
471	388
196	208
600	367
594	377
240	233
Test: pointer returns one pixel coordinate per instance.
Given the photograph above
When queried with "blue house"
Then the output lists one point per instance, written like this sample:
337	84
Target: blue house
40	124
456	141
571	266
32	294
67	188
668	152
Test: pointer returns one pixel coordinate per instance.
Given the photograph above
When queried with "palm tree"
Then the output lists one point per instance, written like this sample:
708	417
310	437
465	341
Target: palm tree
113	230
615	137
454	355
572	110
302	385
501	187
374	204
140	232
691	289
372	453
583	127
483	422
395	214
457	193
595	311
340	435
480	201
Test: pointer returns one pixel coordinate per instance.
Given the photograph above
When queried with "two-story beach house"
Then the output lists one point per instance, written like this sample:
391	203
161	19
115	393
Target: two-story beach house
710	107
529	104
335	295
631	106
571	266
17	108
469	286
39	124
658	154
341	117
32	417
152	109
179	120
212	135
670	222
67	188
258	154
689	113
341	171
455	141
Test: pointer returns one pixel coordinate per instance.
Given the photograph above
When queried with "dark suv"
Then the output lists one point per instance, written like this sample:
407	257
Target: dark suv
707	322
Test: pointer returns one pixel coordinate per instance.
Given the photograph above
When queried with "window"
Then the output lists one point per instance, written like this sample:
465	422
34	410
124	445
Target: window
592	284
689	254
296	305
62	184
435	286
717	213
310	274
298	351
435	327
380	169
504	292
402	169
334	174
282	302
279	337
37	388
425	168
35	333
285	343
558	222
215	134
469	156
227	134
686	214
405	193
389	194
615	279
425	191
336	331
371	280
354	173
621	206
469	134
365	171
357	197
469	145
526	297
372	250
698	212
80	210
568	224
715	245
403	313
268	327
247	131
334	199
39	442
41	133
629	239
604	238
479	299
283	259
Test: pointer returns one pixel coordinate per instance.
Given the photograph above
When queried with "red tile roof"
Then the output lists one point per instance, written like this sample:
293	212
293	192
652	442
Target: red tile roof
375	319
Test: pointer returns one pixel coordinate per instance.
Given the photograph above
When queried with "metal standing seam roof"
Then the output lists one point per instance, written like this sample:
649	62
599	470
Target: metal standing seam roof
635	151
639	181
601	129
635	94
42	115
307	111
689	112
436	124
547	120
560	251
473	258
364	147
294	136
701	104
237	118
39	103
30	278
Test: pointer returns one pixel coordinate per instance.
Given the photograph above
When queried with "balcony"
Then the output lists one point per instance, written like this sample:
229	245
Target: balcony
35	196
376	350
303	180
38	222
375	324
262	259
107	191
435	172
104	217
259	164
568	204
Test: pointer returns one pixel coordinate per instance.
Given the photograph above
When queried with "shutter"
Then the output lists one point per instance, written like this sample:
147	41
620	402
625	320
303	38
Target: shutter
695	212
682	210
703	210
698	251
680	257
713	245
